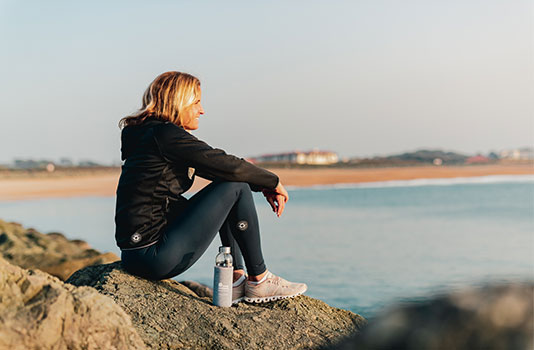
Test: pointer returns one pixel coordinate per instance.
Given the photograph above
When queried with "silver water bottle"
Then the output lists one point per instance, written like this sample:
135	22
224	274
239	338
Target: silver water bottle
222	278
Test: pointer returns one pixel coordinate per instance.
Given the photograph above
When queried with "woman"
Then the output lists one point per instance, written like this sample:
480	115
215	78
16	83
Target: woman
161	234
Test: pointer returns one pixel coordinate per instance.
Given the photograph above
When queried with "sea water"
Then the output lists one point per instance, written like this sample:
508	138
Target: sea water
358	247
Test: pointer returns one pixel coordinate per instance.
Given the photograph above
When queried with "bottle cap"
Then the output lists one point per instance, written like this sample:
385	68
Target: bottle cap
225	250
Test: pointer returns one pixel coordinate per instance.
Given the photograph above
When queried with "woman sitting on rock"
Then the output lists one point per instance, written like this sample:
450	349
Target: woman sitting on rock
161	234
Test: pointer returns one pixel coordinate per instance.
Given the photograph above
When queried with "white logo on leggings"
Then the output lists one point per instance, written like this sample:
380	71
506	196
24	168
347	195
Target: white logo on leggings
136	237
242	225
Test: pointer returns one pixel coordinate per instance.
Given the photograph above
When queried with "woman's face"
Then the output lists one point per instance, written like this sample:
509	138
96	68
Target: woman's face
191	114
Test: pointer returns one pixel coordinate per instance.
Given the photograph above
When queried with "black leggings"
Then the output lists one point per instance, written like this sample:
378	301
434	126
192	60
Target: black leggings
224	207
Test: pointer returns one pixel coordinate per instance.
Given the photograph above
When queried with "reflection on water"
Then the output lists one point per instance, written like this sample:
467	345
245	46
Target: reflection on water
356	248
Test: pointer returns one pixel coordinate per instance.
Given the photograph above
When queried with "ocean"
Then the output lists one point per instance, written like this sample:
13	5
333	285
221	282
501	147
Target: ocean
358	247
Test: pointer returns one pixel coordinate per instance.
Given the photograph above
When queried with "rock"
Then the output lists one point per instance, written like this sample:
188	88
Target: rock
38	311
494	317
52	253
199	289
168	315
71	265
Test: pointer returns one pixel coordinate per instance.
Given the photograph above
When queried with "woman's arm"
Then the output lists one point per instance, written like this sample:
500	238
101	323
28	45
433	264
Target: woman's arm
180	147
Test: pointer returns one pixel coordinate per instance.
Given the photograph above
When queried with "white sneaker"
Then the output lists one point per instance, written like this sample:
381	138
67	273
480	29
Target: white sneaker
272	288
238	292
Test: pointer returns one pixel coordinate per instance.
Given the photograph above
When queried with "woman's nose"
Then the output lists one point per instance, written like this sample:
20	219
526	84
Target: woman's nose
201	110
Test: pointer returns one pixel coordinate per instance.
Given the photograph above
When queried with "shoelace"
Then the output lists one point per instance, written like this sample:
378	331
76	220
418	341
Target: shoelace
275	280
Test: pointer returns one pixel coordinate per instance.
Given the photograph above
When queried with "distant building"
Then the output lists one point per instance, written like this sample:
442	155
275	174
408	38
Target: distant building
478	159
526	153
437	161
315	157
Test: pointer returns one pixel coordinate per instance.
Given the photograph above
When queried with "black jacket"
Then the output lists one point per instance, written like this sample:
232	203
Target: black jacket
161	160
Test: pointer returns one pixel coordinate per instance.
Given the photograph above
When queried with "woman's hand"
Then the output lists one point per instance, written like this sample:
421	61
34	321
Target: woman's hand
277	198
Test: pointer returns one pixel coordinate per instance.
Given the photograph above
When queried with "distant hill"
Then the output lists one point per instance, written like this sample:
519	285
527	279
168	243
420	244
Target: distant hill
428	156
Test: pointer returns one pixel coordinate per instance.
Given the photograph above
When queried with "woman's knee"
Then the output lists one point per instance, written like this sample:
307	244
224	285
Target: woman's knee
236	186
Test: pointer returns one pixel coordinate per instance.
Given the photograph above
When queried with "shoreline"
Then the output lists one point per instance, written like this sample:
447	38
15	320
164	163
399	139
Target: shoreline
104	183
440	181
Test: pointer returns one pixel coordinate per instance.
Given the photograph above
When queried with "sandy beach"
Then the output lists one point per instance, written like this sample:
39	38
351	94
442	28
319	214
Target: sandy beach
104	183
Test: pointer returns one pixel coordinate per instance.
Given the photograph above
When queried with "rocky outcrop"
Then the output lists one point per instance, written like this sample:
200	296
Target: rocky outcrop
121	311
52	253
38	311
168	315
494	317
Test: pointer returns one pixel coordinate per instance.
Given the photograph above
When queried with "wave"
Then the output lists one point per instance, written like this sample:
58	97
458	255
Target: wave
489	179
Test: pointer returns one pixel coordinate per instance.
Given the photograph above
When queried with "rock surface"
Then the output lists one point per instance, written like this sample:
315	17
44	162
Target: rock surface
52	253
168	315
38	311
199	289
494	317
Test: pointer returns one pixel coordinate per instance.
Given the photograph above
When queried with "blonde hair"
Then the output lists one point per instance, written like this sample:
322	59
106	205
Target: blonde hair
165	98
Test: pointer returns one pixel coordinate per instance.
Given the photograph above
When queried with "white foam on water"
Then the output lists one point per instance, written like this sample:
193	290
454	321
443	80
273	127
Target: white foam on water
489	179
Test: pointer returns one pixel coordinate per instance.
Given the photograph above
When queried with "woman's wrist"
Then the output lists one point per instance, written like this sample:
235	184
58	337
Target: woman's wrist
278	183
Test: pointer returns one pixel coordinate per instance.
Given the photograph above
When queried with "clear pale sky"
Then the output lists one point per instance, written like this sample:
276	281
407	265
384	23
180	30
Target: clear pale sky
361	78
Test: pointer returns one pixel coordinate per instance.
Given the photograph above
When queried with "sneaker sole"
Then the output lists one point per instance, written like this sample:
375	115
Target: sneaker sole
271	298
238	300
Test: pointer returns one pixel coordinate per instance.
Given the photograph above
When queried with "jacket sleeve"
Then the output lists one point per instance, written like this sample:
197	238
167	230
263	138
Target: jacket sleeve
180	147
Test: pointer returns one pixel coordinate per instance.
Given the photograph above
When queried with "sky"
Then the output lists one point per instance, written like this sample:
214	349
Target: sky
360	78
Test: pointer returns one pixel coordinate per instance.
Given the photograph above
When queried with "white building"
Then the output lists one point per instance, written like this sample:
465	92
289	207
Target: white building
526	153
315	157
